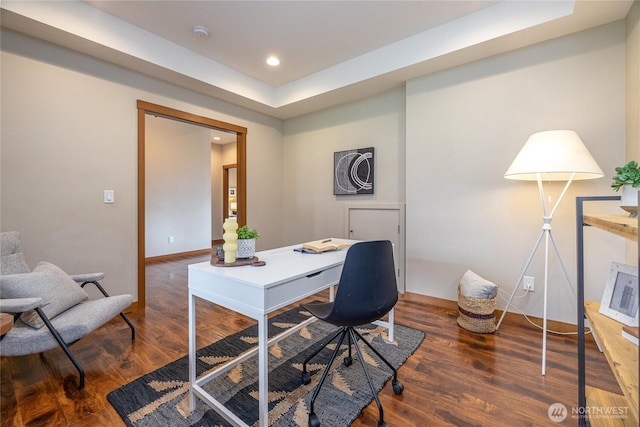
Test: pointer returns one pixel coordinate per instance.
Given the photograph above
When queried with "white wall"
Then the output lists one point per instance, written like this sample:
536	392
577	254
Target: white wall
220	155
632	98
216	191
464	128
311	210
632	82
69	131
177	187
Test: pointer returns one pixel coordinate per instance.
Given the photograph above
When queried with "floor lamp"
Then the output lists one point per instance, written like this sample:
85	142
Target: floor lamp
556	155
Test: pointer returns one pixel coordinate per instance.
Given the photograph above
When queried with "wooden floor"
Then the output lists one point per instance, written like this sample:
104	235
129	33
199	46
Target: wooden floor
455	378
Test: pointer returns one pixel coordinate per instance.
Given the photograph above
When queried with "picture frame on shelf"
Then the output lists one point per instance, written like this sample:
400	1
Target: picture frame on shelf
620	297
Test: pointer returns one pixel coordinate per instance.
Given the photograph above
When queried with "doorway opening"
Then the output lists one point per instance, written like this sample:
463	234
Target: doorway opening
146	108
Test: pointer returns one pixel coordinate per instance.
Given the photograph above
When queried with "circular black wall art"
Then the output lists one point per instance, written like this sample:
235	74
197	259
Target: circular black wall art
353	171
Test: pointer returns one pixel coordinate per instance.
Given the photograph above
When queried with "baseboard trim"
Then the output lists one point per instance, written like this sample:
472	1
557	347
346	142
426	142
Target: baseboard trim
176	256
512	318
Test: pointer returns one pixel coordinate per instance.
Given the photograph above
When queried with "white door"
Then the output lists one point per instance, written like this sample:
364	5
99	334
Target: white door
379	224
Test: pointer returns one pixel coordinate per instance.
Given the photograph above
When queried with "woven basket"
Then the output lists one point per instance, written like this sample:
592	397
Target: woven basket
476	314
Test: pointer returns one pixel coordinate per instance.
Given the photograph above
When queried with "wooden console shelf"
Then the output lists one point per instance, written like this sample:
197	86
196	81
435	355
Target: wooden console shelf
622	356
621	225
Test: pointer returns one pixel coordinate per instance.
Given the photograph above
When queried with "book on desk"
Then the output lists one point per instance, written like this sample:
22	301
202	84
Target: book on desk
324	245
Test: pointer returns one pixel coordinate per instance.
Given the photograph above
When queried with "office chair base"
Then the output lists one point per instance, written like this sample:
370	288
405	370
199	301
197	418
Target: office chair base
398	387
353	335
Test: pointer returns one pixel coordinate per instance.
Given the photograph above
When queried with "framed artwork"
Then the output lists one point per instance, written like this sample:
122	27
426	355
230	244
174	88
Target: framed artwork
620	298
353	171
232	191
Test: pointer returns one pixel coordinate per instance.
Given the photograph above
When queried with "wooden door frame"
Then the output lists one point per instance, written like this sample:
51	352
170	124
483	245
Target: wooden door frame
145	108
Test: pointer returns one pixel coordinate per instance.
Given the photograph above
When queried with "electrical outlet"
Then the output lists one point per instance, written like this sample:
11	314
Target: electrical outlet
527	284
170	240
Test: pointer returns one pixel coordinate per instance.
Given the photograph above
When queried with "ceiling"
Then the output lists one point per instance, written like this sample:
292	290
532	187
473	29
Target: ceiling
331	52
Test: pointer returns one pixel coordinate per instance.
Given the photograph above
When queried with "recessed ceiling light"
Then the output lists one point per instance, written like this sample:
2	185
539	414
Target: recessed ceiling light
200	32
273	61
217	138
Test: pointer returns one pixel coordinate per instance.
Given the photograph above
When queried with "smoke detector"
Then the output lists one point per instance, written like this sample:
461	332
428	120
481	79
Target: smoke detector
200	32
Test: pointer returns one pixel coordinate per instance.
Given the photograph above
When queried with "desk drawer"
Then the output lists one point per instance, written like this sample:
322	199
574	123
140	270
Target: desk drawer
289	292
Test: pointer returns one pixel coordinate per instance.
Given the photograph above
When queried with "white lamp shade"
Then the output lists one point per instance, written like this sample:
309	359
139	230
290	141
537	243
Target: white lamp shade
556	155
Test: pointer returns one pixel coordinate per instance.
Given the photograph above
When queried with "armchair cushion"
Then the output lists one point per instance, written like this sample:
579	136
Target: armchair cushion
58	291
474	286
11	257
72	325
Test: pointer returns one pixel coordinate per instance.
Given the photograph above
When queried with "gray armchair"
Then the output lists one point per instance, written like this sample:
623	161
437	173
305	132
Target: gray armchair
50	307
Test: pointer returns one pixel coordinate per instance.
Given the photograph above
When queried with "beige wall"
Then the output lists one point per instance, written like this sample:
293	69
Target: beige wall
220	155
464	128
311	211
69	131
632	83
632	100
177	187
448	139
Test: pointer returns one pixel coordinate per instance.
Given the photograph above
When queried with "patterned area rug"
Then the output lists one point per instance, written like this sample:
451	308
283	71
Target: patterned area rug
161	397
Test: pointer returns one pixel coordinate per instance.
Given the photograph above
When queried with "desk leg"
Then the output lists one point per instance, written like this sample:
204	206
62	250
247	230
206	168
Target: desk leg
391	326
192	350
263	371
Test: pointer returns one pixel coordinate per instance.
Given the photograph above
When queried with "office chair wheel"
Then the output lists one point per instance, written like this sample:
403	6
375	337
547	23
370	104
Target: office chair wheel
347	361
306	378
313	420
398	388
382	424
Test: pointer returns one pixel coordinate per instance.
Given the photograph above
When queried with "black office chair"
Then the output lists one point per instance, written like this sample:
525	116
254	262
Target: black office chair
366	292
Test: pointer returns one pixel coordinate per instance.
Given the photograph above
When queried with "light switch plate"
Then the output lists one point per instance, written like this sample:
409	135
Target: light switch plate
109	196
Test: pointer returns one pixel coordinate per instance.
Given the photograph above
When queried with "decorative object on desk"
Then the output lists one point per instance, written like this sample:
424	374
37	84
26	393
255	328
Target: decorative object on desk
557	155
239	262
631	333
627	177
230	238
218	253
246	242
620	298
353	171
162	397
477	303
324	245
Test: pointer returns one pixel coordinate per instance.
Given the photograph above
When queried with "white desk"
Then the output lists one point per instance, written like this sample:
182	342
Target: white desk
255	292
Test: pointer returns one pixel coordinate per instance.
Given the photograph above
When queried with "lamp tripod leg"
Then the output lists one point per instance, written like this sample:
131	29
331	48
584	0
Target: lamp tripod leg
524	271
564	270
544	310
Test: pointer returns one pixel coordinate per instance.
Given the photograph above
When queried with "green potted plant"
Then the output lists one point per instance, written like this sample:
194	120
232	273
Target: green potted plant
627	177
246	242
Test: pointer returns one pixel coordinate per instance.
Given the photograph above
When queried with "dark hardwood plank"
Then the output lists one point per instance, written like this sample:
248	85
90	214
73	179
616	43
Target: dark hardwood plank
455	378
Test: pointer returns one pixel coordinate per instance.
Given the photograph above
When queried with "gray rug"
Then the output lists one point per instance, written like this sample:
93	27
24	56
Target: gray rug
161	397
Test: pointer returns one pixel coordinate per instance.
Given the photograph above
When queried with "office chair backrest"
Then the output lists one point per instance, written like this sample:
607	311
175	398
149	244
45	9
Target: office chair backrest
367	289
